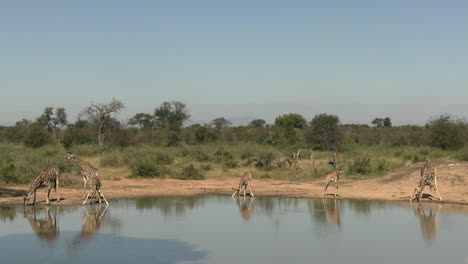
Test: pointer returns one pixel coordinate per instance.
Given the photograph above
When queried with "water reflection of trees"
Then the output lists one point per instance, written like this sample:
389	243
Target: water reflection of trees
245	206
7	213
428	219
47	227
171	205
271	206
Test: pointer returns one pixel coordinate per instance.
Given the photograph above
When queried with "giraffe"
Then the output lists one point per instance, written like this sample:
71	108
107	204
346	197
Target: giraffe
245	181
245	208
428	219
48	177
87	170
91	225
332	177
46	229
95	191
428	178
332	214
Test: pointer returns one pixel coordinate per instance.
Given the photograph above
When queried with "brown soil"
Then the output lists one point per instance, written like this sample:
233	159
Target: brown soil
398	185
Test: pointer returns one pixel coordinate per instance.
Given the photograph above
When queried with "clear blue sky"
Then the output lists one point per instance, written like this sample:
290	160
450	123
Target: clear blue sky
238	59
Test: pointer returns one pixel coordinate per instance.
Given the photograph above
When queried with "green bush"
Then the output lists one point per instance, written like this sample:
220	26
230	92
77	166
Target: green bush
230	164
205	167
37	138
361	165
111	161
147	170
7	174
222	156
190	172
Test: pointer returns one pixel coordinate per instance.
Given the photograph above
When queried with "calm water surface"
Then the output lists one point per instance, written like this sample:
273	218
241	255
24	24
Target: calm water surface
219	229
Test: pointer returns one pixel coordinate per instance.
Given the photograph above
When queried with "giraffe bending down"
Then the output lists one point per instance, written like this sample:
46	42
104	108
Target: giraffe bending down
87	170
46	229
95	191
428	178
245	181
332	177
46	178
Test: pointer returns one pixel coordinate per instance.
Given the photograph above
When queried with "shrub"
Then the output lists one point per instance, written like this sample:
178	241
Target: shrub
7	174
222	156
205	167
111	160
231	164
37	138
361	165
190	173
447	132
147	170
462	155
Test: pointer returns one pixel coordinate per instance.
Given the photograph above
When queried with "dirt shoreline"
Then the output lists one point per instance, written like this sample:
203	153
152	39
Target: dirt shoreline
396	186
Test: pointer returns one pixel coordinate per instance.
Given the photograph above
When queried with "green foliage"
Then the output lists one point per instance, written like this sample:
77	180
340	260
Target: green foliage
171	115
190	172
147	170
223	156
7	174
447	132
361	165
462	154
291	121
257	123
142	120
324	132
37	138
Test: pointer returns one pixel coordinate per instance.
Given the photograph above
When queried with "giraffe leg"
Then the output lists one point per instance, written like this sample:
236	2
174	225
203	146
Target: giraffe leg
250	190
34	201
420	193
437	191
336	188
86	198
236	192
326	187
415	193
103	197
48	194
57	189
84	181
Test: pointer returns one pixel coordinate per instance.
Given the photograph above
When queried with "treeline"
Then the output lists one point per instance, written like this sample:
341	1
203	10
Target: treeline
98	124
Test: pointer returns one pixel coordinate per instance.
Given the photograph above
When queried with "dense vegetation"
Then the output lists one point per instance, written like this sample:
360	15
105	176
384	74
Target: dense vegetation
158	145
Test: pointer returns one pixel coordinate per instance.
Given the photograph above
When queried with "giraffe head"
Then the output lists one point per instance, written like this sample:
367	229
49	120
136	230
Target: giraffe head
70	156
26	198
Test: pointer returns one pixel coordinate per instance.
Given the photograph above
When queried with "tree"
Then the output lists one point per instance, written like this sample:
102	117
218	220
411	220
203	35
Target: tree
257	123
220	123
142	120
171	115
100	115
447	132
291	121
325	132
387	122
378	122
286	126
53	122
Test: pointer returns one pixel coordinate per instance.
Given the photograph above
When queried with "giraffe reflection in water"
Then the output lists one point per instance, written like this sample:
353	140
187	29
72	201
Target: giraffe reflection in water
330	209
428	219
47	227
245	206
91	224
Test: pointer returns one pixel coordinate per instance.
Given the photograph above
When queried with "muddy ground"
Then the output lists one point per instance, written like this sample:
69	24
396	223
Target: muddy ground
397	185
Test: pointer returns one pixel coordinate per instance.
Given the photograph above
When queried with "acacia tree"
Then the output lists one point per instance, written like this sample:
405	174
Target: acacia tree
53	122
257	123
447	132
171	115
100	114
142	120
288	124
324	132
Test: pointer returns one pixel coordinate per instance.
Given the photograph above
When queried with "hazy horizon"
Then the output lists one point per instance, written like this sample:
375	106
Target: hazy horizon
239	60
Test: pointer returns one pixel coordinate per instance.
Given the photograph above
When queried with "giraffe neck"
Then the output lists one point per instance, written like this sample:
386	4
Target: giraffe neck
81	164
